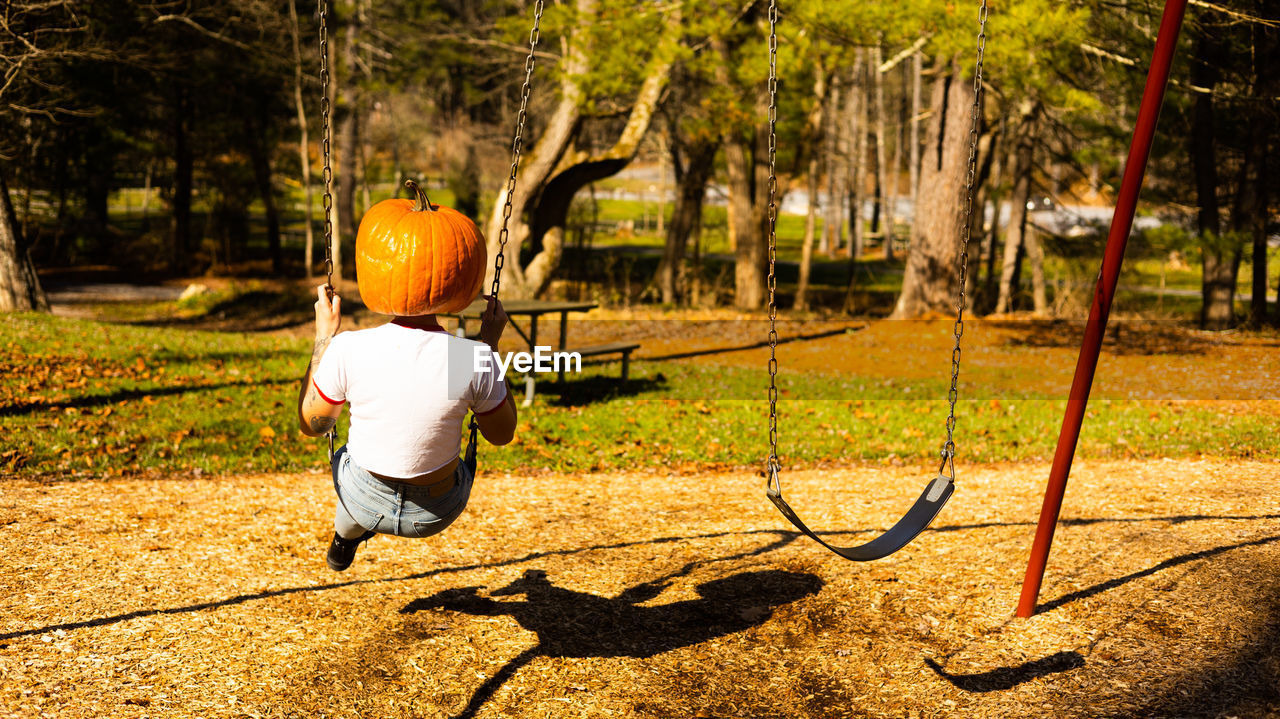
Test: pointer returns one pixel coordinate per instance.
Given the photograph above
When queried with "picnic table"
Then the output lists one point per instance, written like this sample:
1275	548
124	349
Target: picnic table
535	309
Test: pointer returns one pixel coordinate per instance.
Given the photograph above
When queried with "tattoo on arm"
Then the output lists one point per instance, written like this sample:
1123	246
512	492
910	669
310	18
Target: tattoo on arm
322	343
308	395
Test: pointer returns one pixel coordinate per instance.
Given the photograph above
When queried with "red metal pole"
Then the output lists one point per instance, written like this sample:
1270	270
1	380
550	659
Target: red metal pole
1121	223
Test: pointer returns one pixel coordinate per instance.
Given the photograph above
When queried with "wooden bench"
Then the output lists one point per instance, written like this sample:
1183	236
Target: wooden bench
625	348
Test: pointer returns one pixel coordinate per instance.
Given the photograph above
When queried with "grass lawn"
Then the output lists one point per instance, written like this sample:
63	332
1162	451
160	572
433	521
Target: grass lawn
82	398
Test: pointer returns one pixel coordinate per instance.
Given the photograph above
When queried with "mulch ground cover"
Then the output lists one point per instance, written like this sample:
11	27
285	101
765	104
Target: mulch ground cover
647	595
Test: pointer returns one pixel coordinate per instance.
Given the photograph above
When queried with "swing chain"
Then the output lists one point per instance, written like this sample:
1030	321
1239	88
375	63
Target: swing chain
516	143
975	121
325	138
322	7
773	463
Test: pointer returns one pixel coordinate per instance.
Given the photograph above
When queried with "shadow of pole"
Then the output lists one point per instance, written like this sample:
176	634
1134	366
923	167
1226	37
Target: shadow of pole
1009	677
1004	678
493	683
1166	564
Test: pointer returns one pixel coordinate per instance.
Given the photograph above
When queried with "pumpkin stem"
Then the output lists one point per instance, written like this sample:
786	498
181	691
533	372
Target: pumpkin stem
424	202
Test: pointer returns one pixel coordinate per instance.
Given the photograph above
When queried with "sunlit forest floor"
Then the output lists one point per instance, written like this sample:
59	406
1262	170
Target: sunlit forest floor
162	528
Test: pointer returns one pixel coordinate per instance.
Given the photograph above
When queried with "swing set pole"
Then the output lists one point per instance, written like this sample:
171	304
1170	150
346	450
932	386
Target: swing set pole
1121	224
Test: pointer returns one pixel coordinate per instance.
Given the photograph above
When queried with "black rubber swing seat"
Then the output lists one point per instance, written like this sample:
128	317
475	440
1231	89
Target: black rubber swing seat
915	521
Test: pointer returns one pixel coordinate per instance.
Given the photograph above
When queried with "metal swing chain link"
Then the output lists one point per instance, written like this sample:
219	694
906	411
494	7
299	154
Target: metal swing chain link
516	143
322	7
773	464
949	447
325	138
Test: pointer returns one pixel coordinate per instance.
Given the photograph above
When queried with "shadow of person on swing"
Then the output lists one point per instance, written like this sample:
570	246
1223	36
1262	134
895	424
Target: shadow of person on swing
576	624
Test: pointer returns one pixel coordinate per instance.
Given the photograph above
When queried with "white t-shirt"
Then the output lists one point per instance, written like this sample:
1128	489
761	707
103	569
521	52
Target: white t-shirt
409	390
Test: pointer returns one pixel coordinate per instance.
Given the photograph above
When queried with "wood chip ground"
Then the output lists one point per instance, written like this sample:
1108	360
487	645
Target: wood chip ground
645	595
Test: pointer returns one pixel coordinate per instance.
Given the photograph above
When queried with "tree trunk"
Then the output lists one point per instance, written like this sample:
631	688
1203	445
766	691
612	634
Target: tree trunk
883	173
917	69
1221	266
61	181
836	164
991	234
1257	149
304	151
19	284
1258	230
817	126
1243	214
858	155
810	230
1016	233
746	219
685	216
146	195
99	162
347	170
1035	258
987	148
895	165
183	168
1020	254
930	278
254	131
347	109
1217	310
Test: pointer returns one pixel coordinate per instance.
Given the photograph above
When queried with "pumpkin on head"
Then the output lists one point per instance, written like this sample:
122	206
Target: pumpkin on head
416	258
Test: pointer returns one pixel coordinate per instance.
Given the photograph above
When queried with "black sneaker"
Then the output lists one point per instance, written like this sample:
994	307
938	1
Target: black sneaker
342	552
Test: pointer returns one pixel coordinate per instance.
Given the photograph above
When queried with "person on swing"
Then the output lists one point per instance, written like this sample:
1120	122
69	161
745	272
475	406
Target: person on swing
410	384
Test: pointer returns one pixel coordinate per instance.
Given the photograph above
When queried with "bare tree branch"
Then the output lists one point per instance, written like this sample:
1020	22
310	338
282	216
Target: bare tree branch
203	30
893	62
1242	17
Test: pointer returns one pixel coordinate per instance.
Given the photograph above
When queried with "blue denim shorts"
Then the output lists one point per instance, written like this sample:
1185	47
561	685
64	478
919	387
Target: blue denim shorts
404	510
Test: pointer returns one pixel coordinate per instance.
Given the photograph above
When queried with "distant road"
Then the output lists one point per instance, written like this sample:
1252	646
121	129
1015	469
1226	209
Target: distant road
68	294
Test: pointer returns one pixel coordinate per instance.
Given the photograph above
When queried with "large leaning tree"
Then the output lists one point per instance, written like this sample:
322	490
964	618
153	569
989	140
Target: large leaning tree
616	65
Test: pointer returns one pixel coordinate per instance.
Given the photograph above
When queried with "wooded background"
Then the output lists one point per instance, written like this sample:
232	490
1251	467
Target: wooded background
204	118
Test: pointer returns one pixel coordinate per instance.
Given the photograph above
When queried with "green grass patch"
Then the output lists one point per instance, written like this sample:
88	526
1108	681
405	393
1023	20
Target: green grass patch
81	398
